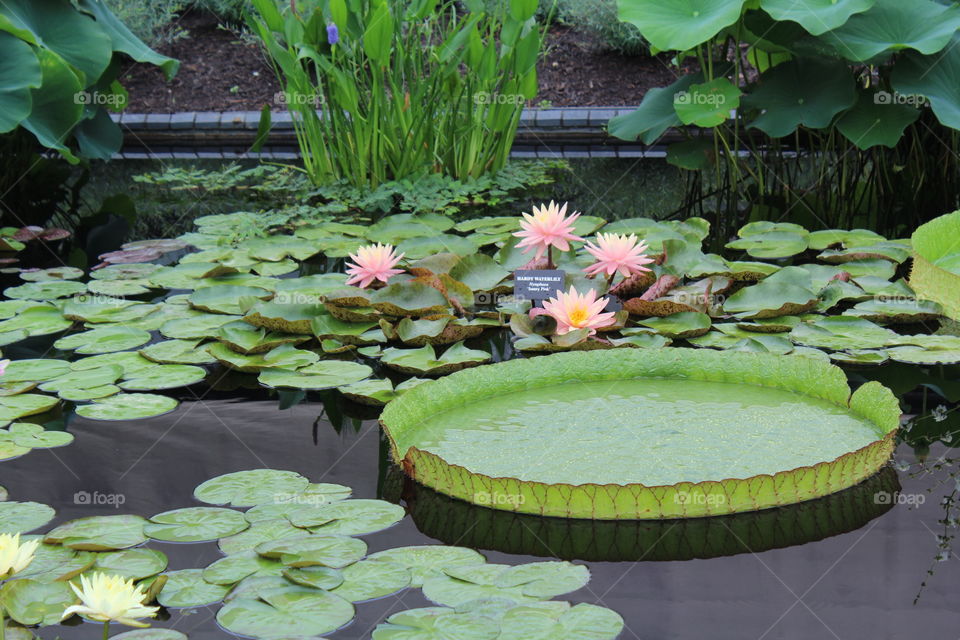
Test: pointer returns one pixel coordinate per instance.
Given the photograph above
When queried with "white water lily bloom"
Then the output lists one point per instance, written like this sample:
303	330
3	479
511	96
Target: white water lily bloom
14	555
111	599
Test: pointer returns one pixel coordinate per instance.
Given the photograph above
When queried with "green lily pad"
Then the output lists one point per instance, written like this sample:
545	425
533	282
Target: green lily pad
842	333
424	361
128	406
130	361
318	577
689	324
131	564
368	580
10	450
195	524
35	370
125	271
164	376
276	248
250	488
286	357
325	326
896	311
197	327
9	337
177	352
522	583
321	375
311	550
75	394
247	339
48	290
34	436
428	561
787	292
230	300
39	320
25	404
106	374
919	355
421	247
375	392
291	612
102	310
21	517
53	563
251	587
234	568
408	299
436	623
480	272
774	244
259	532
535	622
119	288
151	634
347	517
104	340
861	357
30	602
55	273
99	533
187	588
284	317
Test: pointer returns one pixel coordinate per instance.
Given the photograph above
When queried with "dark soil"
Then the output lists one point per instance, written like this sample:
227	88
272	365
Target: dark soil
222	70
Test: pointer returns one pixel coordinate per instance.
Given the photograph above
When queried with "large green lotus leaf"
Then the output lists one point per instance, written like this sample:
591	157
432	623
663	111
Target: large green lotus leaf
54	563
35	370
131	564
918	355
130	361
655	115
49	290
682	24
522	583
259	532
318	577
428	561
34	436
164	376
841	333
932	243
119	288
408	298
936	77
873	122
30	602
688	324
421	247
347	517
197	327
107	374
99	533
19	73
128	406
708	104
21	517
801	92
285	357
285	613
187	588
104	340
276	248
533	622
392	229
369	580
151	634
436	623
321	375
230	300
246	338
282	316
480	272
234	568
25	404
896	311
424	361
250	488
195	524
311	550
38	320
891	25
774	244
816	16
177	352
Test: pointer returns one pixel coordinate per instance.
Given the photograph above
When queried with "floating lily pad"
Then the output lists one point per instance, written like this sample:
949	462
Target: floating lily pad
918	355
53	563
436	623
34	436
318	577
286	357
164	376
307	551
128	406
245	338
291	612
428	561
522	583
151	634
282	316
424	361
250	488
896	311
369	580
408	299
260	531
36	370
105	340
197	327
680	325
102	309
236	567
861	357
55	273
21	517
131	564
48	290
119	288
535	622
187	588
39	320
321	375
25	404
130	361
195	524
177	352
99	376
30	602
99	533
348	517
229	300
777	295
773	244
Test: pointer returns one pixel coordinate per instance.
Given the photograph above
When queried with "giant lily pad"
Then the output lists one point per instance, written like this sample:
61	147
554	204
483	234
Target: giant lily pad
933	244
442	432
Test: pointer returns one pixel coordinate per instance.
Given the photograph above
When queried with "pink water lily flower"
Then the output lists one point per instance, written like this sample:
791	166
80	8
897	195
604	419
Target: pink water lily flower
573	310
548	226
373	262
614	252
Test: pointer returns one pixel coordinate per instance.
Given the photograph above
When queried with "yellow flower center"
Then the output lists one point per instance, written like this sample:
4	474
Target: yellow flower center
578	316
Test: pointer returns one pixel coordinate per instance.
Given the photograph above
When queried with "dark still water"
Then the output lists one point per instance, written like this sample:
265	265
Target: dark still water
847	567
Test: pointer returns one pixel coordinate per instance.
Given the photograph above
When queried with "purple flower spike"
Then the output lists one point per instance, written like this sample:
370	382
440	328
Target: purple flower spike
333	34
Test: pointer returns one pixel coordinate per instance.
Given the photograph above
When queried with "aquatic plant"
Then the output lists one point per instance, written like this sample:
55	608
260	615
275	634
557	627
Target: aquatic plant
373	262
547	227
574	311
110	598
617	253
936	262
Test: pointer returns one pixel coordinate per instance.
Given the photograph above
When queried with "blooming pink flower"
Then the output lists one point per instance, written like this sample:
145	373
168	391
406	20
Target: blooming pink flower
373	262
3	366
614	252
549	225
573	310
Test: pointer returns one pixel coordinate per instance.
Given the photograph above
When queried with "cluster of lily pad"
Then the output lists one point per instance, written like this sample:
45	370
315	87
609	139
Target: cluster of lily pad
277	305
294	566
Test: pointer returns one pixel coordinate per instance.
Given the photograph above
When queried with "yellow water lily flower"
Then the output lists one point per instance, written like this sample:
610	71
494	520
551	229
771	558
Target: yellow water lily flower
109	598
15	555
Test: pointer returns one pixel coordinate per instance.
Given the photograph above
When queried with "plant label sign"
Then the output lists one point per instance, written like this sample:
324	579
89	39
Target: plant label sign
537	284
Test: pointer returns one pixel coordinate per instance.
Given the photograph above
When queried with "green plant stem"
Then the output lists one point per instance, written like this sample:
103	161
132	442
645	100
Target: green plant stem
106	630
3	624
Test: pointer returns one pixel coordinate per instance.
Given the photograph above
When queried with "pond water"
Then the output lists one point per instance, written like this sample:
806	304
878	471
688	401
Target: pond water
865	557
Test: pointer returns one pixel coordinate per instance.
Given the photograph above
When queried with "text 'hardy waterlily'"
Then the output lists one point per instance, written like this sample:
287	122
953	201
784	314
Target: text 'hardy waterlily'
373	262
15	556
618	253
109	598
573	310
548	226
